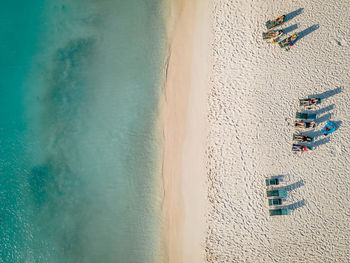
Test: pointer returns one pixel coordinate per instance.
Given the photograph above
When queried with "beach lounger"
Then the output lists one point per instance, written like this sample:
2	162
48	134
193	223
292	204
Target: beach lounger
305	124
272	181
272	35
301	148
279	212
310	101
305	116
302	138
276	201
288	42
276	193
275	22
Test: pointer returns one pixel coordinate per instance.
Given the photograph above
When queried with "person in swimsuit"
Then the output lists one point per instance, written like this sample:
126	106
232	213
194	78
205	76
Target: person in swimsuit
305	124
273	34
277	21
303	138
280	19
291	39
305	149
301	148
310	102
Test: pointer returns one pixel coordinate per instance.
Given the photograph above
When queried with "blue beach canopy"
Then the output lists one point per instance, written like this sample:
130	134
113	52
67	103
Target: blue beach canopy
329	128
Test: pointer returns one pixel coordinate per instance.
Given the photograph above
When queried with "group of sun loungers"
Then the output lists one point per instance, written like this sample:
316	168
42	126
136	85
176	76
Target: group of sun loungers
305	121
274	35
275	197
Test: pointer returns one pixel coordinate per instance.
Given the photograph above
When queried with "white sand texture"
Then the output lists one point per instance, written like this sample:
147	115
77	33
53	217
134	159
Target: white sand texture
255	87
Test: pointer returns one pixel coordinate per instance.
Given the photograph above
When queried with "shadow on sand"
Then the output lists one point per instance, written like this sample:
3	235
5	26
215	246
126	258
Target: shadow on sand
289	29
293	14
314	133
321	142
295	205
324	109
328	93
307	31
323	118
291	187
337	124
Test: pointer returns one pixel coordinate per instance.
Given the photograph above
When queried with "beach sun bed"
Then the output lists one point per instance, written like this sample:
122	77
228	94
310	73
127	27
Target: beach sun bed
276	201
305	116
272	35
305	124
310	101
279	212
275	22
276	193
302	138
272	181
301	148
288	41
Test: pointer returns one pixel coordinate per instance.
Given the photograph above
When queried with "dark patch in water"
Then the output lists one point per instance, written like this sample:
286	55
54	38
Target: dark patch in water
66	86
61	208
38	181
50	181
66	95
60	198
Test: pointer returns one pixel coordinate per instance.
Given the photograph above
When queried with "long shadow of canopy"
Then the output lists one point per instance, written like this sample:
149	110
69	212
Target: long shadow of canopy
307	31
293	14
328	93
289	29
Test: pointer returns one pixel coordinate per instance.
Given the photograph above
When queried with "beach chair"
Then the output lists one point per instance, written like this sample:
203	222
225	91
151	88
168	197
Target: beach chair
272	181
305	116
276	201
276	193
279	212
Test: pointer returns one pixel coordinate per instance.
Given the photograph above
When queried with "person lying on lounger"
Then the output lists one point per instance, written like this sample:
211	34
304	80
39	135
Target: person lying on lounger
301	148
310	102
301	124
279	20
273	34
292	39
303	138
288	41
273	23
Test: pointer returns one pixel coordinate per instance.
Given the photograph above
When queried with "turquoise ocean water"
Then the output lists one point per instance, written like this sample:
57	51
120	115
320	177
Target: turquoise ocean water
79	90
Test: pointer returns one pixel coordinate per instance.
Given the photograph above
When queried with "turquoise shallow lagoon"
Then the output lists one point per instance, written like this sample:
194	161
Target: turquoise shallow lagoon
78	141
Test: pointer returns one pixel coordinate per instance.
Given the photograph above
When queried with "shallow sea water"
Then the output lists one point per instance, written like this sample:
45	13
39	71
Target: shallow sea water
78	139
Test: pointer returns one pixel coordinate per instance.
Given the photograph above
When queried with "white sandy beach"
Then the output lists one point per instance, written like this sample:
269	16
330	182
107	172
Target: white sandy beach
224	134
184	114
253	99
